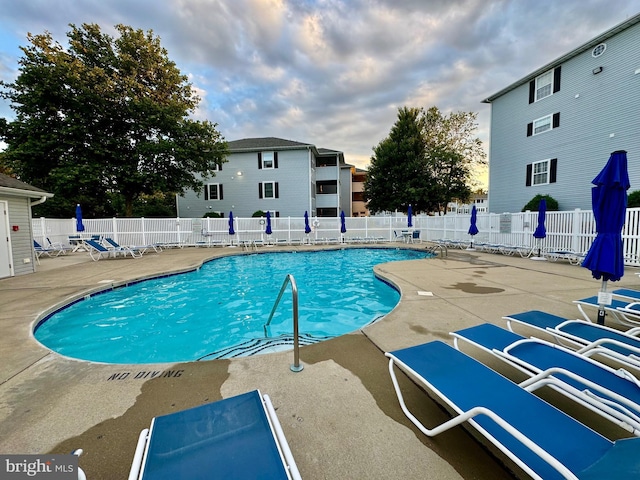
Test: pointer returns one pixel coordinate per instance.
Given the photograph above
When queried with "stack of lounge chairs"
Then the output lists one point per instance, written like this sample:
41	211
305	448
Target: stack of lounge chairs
107	247
591	366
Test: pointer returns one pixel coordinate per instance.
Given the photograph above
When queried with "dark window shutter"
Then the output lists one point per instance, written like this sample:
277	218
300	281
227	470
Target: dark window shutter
529	129
553	168
260	161
529	174
556	79
277	213
556	120
277	191
206	192
220	193
259	190
532	91
220	167
275	159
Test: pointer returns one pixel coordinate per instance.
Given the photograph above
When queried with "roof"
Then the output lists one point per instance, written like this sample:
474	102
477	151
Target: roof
248	144
13	186
560	60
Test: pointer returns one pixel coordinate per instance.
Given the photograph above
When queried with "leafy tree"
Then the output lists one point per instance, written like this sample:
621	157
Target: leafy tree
104	122
534	203
426	161
633	200
453	152
398	175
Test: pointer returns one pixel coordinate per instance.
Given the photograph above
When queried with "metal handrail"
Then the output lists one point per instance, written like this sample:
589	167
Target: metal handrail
297	366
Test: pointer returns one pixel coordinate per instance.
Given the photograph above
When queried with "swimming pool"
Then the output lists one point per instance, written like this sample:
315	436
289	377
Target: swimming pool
219	310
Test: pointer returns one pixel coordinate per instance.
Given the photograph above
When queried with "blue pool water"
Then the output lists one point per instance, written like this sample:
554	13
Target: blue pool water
219	311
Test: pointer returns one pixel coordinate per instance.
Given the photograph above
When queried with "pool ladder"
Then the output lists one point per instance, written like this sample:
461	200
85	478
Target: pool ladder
296	366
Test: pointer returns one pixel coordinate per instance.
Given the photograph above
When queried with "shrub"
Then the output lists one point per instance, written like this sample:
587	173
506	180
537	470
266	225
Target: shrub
633	200
534	203
212	215
258	213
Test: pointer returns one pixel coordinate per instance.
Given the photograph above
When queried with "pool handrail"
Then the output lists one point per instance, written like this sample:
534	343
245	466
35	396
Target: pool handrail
296	366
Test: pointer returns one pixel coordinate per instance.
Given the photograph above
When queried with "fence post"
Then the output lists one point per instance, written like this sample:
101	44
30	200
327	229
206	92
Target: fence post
115	229
144	235
575	231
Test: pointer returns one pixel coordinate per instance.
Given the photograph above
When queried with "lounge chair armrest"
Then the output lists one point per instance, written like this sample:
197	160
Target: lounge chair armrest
136	465
470	414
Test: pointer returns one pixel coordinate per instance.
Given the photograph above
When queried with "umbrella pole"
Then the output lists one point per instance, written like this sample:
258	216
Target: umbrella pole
601	311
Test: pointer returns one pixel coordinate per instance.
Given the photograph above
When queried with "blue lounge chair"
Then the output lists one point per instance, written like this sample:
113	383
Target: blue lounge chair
588	338
624	312
542	440
39	250
98	251
627	293
613	394
238	437
113	245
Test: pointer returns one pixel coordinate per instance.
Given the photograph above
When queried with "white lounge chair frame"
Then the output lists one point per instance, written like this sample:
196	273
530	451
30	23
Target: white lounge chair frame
619	410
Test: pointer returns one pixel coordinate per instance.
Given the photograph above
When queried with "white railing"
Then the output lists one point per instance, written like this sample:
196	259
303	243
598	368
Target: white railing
568	231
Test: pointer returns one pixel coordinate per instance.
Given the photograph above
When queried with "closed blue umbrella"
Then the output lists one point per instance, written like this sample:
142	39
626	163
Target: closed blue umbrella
409	217
541	231
268	229
231	230
79	224
605	258
473	228
343	226
307	228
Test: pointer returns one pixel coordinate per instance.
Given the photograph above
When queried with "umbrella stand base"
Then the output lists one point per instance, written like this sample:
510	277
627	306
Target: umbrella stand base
471	249
540	259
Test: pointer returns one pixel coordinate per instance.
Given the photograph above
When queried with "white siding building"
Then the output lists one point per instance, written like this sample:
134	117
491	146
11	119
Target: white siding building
281	176
16	233
553	130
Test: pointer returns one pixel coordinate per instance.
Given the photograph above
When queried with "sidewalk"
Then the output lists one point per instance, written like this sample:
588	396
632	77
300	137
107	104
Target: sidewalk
340	414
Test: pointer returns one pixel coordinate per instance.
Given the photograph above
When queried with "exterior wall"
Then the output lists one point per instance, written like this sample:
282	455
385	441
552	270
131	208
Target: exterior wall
345	190
240	192
21	241
598	115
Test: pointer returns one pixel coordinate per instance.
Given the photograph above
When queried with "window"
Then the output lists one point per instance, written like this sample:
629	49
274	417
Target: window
267	160
268	190
543	124
213	191
542	172
544	85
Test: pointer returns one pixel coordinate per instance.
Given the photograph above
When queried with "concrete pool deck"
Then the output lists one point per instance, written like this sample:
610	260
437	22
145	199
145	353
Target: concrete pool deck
340	414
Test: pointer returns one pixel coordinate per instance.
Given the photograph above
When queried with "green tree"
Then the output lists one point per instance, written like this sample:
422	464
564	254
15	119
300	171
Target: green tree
453	152
397	175
426	161
104	121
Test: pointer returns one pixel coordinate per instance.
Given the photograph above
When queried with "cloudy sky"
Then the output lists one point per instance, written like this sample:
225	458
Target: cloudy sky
332	72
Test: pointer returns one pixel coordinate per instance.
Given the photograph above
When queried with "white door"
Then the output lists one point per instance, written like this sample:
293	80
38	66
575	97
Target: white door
5	246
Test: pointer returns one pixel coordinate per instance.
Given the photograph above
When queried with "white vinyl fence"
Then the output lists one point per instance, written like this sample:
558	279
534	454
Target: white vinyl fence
566	231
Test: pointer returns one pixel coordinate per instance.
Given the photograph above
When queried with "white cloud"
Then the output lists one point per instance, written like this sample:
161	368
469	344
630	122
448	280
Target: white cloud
333	72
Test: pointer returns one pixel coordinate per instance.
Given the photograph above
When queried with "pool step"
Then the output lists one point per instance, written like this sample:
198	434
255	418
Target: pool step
263	345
